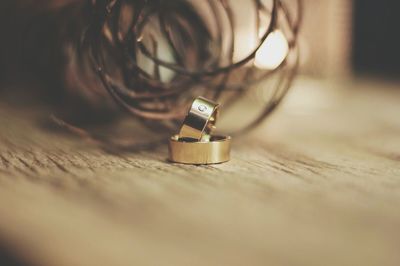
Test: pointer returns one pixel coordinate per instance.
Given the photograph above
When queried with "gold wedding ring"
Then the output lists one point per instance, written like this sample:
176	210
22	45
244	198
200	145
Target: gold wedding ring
195	144
200	120
187	151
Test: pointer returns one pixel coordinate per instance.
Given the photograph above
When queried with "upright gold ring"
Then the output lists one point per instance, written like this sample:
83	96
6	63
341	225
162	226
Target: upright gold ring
200	120
188	151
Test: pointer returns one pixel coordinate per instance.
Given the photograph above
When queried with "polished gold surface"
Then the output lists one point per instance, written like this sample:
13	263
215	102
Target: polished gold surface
200	119
186	151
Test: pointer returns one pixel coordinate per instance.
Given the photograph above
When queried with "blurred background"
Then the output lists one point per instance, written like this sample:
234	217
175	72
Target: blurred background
352	37
340	38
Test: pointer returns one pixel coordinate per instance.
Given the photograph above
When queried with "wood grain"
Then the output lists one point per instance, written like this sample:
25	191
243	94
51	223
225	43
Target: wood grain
319	184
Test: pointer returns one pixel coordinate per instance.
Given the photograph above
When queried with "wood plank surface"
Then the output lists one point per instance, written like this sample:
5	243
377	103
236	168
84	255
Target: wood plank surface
317	184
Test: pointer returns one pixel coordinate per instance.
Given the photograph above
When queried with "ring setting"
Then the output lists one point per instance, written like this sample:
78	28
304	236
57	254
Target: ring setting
195	144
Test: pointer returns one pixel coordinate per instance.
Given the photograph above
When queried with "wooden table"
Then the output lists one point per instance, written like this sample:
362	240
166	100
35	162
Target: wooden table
318	184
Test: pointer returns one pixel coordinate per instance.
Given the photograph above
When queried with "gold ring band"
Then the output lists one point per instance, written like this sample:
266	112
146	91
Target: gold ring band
186	151
200	119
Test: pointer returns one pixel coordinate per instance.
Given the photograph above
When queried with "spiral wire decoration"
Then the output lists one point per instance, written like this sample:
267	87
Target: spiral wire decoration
154	56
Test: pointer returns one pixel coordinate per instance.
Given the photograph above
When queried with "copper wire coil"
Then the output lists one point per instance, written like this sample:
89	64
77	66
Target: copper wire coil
125	43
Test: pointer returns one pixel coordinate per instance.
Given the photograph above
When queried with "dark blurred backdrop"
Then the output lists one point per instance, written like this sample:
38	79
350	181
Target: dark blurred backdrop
376	37
374	45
